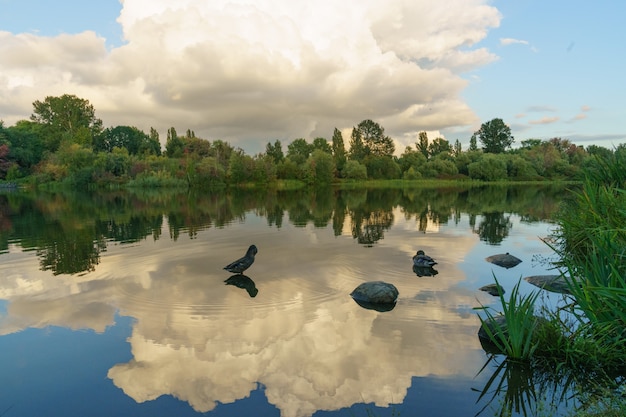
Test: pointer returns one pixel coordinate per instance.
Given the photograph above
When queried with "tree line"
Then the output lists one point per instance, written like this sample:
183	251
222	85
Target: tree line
64	142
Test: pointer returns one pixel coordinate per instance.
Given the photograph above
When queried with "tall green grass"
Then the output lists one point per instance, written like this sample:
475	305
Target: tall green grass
585	337
515	335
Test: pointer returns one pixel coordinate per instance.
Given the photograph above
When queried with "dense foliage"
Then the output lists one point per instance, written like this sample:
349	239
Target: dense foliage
65	143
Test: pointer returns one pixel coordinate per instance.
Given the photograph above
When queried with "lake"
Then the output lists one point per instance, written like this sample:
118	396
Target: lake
117	303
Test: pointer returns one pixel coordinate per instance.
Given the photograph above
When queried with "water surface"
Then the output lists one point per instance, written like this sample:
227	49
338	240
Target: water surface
117	303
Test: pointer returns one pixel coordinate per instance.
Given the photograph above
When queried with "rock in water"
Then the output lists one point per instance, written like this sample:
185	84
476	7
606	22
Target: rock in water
493	289
375	292
553	283
505	260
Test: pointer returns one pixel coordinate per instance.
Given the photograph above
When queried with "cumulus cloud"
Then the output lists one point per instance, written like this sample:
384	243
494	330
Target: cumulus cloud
250	71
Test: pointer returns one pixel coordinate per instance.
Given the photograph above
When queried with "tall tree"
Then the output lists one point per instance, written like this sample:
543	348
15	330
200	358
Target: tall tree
299	151
322	144
457	148
438	146
339	150
374	139
174	145
128	137
66	118
473	146
422	144
358	151
495	136
275	151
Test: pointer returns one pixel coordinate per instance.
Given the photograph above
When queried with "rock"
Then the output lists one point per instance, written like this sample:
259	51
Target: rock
496	326
504	260
493	289
375	293
553	283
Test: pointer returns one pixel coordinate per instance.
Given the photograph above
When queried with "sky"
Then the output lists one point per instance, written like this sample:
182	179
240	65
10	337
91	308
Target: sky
254	71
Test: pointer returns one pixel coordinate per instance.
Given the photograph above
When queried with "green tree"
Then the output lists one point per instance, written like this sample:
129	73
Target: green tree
495	136
25	146
127	137
530	143
473	146
153	147
440	166
66	118
438	146
374	139
199	147
275	151
174	145
422	144
241	167
411	158
299	151
489	167
382	167
320	168
339	150
323	145
355	170
358	151
457	149
222	152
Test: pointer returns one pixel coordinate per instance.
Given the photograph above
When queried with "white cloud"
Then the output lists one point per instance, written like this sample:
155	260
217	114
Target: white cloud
252	71
512	41
544	121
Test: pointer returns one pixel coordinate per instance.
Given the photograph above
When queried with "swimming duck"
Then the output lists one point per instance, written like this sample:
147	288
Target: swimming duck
422	260
244	263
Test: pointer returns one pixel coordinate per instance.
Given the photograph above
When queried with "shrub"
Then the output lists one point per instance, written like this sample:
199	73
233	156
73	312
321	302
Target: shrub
355	171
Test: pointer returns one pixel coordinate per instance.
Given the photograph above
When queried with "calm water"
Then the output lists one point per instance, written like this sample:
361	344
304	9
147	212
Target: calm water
116	304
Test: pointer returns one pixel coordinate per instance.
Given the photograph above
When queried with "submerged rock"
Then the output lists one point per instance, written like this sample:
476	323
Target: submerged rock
493	289
377	295
552	283
505	260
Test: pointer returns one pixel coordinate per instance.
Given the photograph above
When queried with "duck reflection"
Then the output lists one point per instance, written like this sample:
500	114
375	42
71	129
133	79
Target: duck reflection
424	271
244	282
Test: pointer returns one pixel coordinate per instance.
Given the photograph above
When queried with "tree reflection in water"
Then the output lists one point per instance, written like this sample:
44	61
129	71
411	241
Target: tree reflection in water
69	230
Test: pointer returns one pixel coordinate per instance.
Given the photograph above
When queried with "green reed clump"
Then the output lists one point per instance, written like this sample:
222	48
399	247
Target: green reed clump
514	334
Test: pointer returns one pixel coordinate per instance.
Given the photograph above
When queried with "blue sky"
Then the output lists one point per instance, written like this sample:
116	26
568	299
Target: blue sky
252	72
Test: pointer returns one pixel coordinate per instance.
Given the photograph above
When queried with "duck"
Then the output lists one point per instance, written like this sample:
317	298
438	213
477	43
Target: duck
422	260
243	263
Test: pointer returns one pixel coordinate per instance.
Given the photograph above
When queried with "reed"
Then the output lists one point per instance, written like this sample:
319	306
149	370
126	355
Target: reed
515	335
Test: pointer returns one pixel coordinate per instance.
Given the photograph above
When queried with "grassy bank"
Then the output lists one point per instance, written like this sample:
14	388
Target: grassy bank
585	337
